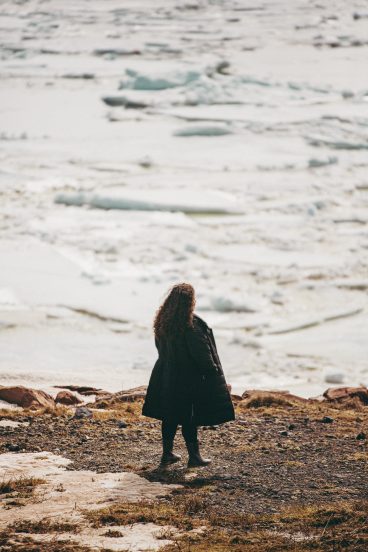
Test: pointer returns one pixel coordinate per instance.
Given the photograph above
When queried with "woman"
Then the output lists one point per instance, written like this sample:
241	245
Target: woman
187	385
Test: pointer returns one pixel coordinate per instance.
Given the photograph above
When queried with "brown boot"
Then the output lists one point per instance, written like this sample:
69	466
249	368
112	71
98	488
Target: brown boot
168	457
195	459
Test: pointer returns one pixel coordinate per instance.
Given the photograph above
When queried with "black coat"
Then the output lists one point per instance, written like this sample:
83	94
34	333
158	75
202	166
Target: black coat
187	381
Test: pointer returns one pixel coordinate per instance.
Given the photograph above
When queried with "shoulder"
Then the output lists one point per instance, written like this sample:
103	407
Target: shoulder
199	322
198	327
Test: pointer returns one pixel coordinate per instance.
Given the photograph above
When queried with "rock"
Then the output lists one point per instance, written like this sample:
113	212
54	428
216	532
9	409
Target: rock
68	398
12	447
291	427
345	393
26	398
334	377
83	412
361	436
83	390
129	395
235	398
327	420
122	424
284	433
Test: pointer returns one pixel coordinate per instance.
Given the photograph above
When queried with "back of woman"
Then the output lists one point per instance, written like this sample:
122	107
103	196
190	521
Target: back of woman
187	385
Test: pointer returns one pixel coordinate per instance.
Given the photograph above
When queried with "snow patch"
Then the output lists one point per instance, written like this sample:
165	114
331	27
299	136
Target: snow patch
63	489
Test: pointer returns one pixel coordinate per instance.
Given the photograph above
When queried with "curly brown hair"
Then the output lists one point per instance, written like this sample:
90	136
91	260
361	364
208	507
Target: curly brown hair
176	312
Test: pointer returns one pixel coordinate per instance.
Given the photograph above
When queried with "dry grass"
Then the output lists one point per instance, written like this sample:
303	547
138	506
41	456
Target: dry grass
179	512
11	542
340	526
23	486
360	456
58	411
11	413
131	412
335	527
44	526
262	401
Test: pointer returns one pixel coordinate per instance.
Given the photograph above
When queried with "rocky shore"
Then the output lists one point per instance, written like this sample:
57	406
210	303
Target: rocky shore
288	474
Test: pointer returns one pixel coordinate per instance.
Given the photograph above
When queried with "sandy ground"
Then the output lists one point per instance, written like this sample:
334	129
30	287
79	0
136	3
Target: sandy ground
222	143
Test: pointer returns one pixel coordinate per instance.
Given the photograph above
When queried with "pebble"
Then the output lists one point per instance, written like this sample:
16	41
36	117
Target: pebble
361	436
122	423
82	412
12	447
327	420
284	433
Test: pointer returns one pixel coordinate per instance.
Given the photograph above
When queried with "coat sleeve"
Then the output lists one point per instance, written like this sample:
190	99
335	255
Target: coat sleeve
200	350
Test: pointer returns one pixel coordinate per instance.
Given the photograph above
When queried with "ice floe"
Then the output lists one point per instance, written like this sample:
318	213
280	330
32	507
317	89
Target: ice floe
154	200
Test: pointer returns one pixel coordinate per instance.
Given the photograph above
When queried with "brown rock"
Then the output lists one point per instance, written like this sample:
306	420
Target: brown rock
83	389
346	393
131	395
27	398
68	398
128	395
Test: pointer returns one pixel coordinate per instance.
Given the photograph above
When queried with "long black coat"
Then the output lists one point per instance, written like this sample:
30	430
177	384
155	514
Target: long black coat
187	381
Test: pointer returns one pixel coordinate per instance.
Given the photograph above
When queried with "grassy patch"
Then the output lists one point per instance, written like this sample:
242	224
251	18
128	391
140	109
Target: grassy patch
340	526
11	542
23	486
44	526
179	512
259	401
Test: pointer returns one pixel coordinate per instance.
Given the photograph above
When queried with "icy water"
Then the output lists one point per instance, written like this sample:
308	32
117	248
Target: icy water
144	143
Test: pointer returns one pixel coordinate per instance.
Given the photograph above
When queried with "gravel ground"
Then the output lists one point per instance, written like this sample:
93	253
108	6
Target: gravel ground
266	459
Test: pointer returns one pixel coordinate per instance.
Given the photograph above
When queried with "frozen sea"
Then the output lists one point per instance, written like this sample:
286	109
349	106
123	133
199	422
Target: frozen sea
150	142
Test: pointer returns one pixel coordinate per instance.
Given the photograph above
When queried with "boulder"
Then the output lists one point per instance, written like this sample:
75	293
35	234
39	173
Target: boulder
83	389
26	398
67	398
340	394
128	395
131	395
83	412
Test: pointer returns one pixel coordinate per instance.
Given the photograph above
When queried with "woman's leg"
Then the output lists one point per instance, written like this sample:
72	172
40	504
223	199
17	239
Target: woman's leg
168	431
190	435
189	431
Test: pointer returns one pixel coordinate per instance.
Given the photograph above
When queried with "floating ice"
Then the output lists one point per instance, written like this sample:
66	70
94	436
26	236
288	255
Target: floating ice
140	81
334	377
222	303
315	163
124	101
154	200
203	131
